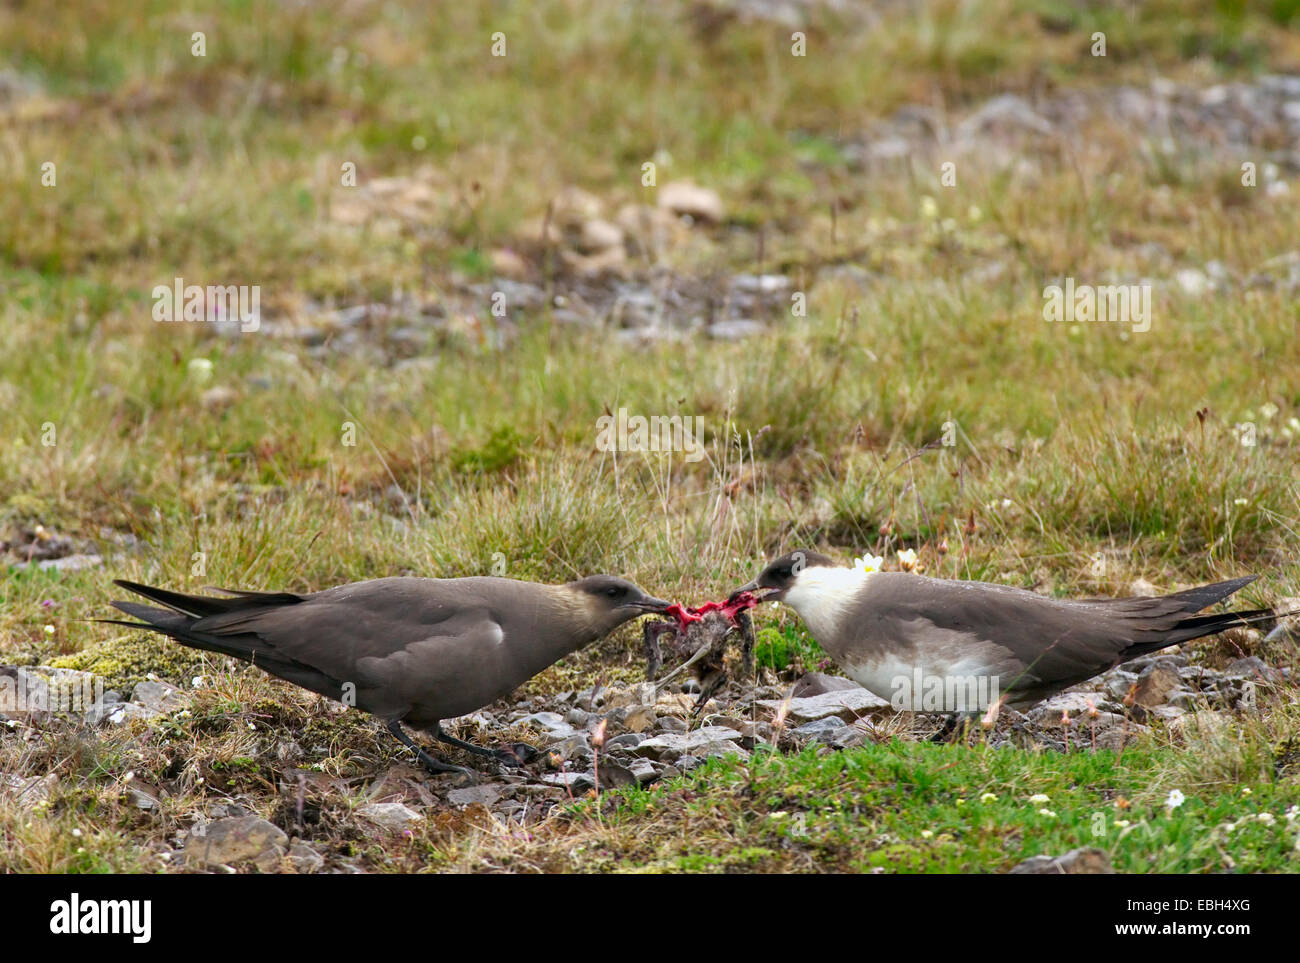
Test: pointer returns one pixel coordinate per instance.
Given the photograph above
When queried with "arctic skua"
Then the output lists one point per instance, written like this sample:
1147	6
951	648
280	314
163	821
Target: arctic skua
908	638
410	651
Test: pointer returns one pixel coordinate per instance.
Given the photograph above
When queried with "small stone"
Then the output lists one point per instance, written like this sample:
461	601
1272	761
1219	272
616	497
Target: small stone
625	741
575	781
551	723
736	330
484	794
819	683
616	776
305	859
1155	683
233	840
847	704
645	771
1074	863
639	718
669	744
159	696
598	235
118	713
685	198
574	747
394	817
822	730
29	791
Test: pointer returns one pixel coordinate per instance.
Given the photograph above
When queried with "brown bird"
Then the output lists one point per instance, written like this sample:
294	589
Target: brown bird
936	645
407	650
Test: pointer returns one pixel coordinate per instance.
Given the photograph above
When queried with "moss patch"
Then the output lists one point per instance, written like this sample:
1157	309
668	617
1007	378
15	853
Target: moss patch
128	659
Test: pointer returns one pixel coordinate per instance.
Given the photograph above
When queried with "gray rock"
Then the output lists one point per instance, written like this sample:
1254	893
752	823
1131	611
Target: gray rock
827	730
735	330
28	791
616	776
1118	684
576	717
393	817
304	858
575	747
645	771
1076	862
484	794
671	744
625	741
1252	667
159	696
819	683
550	723
118	713
1155	684
847	704
577	782
225	842
671	724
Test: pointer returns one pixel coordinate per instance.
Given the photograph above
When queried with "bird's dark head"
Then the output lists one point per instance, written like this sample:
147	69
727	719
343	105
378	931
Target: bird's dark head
781	575
610	601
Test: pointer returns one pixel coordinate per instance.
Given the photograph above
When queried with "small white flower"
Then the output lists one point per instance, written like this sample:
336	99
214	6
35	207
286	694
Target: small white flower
1176	799
48	630
200	370
1038	798
1267	410
1240	501
1048	813
989	797
1245	790
907	559
198	681
77	833
926	834
868	563
1268	819
1292	814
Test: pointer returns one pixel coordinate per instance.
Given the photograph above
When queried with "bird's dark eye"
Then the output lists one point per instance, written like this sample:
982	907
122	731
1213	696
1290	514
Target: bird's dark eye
614	592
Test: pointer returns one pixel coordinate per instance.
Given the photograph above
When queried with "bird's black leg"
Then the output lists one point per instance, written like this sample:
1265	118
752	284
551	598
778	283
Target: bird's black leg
949	727
518	754
654	655
747	643
433	765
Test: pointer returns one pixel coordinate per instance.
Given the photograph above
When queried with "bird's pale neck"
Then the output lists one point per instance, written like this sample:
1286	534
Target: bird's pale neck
821	595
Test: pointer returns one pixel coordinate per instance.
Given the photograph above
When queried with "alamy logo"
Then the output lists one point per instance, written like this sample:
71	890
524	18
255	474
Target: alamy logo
1114	303
656	433
130	916
24	691
923	692
215	304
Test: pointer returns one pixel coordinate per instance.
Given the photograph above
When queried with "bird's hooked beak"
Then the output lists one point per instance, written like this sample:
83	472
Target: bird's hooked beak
771	594
648	604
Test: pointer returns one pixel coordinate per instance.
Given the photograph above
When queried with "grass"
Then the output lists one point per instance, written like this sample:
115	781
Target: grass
908	807
309	469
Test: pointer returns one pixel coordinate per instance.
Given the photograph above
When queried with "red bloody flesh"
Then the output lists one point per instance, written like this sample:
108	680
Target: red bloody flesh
730	609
